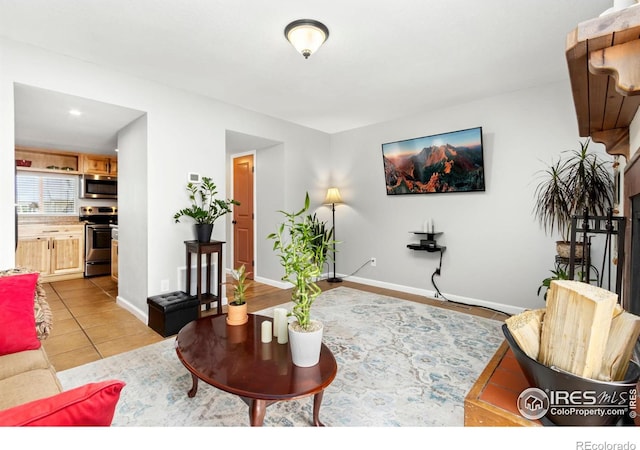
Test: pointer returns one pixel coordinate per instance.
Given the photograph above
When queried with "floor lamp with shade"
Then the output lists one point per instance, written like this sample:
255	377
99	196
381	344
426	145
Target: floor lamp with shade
333	197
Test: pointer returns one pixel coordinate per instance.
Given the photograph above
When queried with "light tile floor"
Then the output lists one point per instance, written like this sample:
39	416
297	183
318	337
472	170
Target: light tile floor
88	324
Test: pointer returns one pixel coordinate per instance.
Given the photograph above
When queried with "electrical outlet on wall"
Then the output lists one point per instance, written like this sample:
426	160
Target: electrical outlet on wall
164	286
373	261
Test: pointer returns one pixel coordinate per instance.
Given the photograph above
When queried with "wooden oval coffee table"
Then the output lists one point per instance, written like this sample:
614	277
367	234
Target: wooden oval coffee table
233	359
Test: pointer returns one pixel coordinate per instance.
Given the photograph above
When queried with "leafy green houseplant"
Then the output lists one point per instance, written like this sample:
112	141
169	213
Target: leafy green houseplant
239	289
323	235
559	273
205	209
302	248
580	180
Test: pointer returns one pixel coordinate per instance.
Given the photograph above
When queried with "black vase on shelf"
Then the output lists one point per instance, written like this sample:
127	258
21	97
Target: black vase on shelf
204	231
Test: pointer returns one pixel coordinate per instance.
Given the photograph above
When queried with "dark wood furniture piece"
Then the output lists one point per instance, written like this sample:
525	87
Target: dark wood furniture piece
205	248
234	359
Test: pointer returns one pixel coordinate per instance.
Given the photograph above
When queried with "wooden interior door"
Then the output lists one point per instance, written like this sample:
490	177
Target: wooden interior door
243	214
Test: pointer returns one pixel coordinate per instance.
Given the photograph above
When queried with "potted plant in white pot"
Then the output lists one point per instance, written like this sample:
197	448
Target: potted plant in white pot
570	185
302	254
205	209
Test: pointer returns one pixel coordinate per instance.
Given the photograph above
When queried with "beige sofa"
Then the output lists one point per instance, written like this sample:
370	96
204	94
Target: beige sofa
29	375
30	392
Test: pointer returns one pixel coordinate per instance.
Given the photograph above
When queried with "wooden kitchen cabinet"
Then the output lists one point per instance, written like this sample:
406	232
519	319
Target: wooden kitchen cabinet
33	253
44	160
57	252
99	165
114	260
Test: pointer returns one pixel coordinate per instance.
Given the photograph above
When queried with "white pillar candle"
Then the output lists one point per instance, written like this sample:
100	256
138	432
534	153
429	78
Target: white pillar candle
278	315
283	331
275	322
266	332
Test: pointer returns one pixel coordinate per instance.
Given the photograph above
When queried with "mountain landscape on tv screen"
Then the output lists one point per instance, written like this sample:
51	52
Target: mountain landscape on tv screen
443	168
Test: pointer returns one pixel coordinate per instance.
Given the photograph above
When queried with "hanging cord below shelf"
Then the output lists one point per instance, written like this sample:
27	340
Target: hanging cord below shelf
439	294
433	282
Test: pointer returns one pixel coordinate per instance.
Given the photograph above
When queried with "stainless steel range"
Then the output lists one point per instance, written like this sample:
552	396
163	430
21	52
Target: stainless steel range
97	238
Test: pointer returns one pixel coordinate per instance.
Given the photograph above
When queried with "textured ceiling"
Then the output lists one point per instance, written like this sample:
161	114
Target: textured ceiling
383	60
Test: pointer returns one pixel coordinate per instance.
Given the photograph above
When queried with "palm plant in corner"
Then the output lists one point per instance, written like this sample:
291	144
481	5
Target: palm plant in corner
569	186
302	251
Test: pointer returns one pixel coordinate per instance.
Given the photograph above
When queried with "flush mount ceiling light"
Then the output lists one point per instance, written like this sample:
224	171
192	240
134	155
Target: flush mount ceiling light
306	35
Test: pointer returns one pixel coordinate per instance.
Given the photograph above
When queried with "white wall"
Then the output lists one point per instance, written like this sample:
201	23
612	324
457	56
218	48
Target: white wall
185	133
268	180
132	215
497	255
496	252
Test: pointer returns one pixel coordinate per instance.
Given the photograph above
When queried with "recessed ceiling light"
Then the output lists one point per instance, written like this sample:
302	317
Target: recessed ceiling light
75	112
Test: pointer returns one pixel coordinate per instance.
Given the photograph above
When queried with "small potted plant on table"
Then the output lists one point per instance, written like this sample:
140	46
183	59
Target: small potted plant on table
237	309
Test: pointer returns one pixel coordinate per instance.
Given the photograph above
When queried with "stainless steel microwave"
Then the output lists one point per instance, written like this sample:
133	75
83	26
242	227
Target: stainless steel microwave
98	186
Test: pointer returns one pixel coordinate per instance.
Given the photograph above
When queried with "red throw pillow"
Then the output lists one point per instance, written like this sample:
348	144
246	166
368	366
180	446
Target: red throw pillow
17	319
90	405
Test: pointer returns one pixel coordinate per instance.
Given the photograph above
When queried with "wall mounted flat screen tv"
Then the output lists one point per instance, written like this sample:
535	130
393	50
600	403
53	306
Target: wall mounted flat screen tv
448	162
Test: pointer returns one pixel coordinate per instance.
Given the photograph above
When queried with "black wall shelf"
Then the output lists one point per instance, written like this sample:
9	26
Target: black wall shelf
429	244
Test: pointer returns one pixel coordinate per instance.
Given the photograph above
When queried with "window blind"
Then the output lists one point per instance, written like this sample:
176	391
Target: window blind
47	195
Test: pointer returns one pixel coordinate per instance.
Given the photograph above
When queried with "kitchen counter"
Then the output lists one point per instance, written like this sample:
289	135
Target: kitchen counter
49	220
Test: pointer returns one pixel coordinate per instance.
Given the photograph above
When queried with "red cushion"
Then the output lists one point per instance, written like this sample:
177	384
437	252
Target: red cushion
90	405
17	319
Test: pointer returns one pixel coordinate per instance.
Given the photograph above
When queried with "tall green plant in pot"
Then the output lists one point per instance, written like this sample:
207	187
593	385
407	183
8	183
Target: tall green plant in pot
322	234
205	209
302	251
578	180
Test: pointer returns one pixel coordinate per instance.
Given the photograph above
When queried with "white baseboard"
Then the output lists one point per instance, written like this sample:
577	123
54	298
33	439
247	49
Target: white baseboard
508	309
140	315
277	284
125	304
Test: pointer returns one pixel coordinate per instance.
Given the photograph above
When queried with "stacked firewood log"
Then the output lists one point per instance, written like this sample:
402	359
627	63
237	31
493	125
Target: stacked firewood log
583	330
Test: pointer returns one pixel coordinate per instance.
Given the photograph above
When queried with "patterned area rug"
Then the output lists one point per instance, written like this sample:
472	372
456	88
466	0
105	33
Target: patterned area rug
400	363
